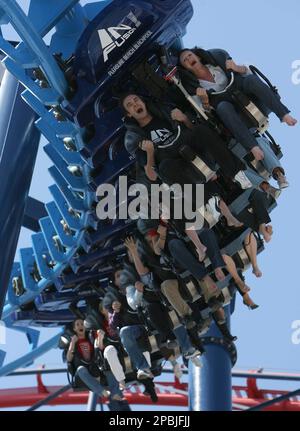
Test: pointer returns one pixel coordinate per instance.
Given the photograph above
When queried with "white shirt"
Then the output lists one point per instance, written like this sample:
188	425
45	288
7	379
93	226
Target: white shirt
221	80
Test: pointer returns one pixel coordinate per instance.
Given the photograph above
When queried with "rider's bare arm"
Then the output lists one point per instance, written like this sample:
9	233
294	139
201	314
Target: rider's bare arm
231	65
148	147
179	116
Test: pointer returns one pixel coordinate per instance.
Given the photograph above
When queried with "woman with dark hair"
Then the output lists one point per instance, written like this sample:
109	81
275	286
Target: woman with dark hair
206	72
81	354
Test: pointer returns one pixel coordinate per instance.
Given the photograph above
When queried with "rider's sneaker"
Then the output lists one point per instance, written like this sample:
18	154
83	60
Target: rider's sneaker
192	353
282	181
144	374
242	180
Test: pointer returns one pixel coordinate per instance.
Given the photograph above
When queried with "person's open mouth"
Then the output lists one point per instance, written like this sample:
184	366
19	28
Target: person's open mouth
139	110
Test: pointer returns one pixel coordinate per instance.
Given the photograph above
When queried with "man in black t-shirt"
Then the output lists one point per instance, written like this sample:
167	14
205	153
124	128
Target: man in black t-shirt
154	136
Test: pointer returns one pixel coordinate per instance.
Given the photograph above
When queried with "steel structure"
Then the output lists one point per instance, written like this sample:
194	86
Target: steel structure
68	239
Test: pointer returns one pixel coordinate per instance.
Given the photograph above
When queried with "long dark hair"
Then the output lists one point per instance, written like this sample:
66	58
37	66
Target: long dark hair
204	55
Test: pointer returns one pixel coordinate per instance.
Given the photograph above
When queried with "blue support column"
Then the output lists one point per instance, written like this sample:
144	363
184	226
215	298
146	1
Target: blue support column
210	387
19	141
39	49
92	402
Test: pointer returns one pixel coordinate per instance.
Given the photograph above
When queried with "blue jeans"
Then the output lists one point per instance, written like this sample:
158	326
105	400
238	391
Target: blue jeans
209	239
129	335
252	86
91	382
113	385
254	178
187	260
183	339
270	160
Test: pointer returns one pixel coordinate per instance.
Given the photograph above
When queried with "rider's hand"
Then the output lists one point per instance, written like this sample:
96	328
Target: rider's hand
147	146
74	339
130	244
178	115
100	333
139	286
162	230
231	65
203	95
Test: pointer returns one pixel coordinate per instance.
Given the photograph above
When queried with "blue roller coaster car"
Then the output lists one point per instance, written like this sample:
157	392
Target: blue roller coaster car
115	41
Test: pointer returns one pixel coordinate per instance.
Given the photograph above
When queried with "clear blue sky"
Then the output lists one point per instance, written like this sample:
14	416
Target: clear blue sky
265	34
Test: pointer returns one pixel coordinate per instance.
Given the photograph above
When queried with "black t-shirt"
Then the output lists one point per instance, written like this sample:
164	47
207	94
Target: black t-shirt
160	132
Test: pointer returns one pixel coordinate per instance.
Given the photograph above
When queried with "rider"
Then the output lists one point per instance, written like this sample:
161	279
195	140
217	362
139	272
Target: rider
81	354
155	135
209	71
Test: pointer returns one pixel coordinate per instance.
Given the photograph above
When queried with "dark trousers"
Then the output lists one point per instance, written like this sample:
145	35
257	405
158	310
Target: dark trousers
259	215
252	86
207	144
159	320
187	260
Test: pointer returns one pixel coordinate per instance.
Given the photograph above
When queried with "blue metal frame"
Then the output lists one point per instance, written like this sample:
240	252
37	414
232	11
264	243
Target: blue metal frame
19	149
210	387
31	356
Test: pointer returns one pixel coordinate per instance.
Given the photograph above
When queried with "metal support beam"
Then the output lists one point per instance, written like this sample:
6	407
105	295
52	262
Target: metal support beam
19	141
274	401
40	51
33	212
210	387
51	397
92	402
31	356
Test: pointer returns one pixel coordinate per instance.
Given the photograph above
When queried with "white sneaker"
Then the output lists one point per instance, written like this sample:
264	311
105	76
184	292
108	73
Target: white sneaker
105	393
282	181
242	180
192	354
213	207
144	374
122	385
275	193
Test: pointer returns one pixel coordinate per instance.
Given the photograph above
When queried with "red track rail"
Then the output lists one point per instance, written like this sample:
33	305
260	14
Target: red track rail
169	394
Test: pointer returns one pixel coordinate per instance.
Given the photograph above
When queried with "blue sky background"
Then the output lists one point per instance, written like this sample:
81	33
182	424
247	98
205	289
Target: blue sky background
265	34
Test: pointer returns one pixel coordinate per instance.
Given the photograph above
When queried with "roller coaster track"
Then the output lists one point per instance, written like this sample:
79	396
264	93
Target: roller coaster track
175	394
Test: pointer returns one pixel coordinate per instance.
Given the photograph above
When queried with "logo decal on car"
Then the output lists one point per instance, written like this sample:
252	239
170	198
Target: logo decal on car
115	37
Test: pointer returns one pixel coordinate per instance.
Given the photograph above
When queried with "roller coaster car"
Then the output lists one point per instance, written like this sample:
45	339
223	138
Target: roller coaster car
115	40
